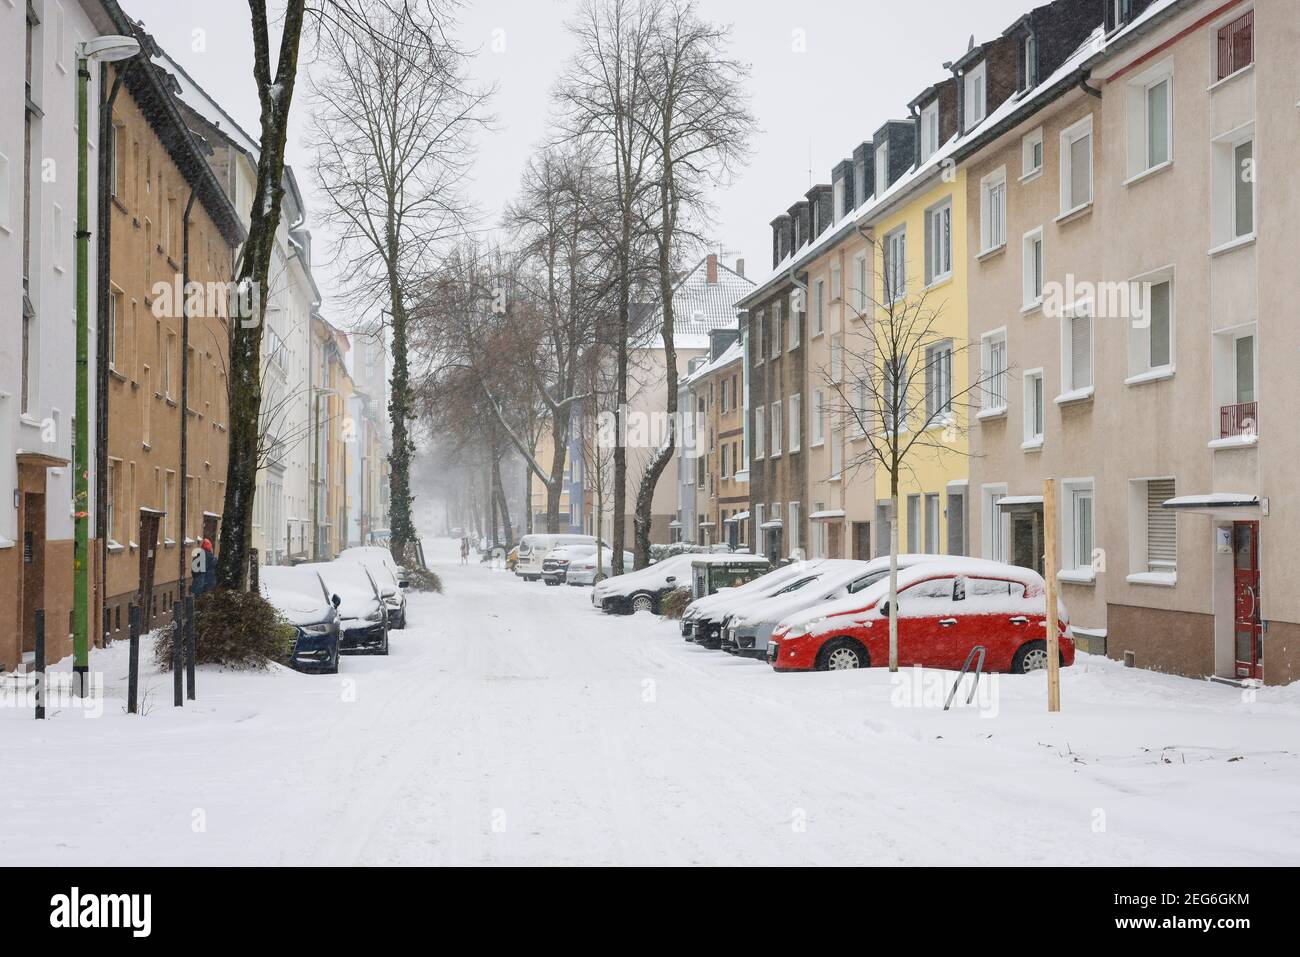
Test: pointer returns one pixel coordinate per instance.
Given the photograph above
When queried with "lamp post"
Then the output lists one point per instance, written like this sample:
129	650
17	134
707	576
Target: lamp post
105	49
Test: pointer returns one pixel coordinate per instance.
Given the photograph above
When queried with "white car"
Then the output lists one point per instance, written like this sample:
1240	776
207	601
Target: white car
642	590
704	616
576	564
388	576
534	548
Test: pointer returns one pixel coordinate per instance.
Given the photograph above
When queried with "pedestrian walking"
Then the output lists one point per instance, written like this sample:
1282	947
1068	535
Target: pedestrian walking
464	551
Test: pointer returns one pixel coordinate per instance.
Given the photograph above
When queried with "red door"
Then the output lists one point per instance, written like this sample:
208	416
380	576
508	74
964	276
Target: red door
1247	627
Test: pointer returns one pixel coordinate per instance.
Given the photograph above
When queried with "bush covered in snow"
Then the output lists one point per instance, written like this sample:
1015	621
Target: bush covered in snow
659	552
236	629
423	579
673	604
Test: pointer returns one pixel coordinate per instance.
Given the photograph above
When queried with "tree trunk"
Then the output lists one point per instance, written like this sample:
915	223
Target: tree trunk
244	382
559	451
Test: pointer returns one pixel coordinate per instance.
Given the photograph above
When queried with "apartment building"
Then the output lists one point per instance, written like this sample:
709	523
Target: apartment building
714	485
163	441
1137	343
332	433
38	137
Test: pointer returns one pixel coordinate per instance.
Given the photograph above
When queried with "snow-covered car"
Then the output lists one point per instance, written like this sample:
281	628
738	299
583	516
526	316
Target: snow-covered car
301	597
363	617
561	560
583	571
702	620
643	589
388	576
534	548
945	609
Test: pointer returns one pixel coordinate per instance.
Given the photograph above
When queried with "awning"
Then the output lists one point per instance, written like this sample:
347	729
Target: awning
674	524
1009	503
706	523
1221	504
773	523
739	517
827	515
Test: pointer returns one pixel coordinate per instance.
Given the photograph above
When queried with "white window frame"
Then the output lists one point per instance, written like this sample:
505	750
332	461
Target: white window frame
1141	570
1075	565
1138	99
818	418
1032	298
1071	390
795	410
1069	136
794	325
995	526
1224	197
939	412
1028	169
929	131
976	94
1034	440
792	530
938	242
776	422
882	168
993	210
894	274
994	391
760	432
819	307
861	277
1140	367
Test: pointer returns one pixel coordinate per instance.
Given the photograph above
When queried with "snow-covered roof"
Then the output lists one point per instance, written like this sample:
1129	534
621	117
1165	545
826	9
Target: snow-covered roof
699	306
826	515
733	353
739	517
197	99
1213	500
1012	501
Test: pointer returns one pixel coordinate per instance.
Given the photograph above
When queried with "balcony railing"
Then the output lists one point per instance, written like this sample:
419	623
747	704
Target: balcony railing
1239	419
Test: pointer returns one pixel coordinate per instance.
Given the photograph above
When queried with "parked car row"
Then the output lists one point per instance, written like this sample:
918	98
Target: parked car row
645	588
348	605
832	614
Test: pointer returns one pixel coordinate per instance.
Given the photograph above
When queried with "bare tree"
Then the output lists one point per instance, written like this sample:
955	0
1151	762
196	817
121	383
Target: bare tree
603	101
892	386
698	124
393	127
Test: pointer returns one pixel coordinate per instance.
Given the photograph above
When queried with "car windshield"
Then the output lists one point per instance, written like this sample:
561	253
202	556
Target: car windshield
866	581
796	585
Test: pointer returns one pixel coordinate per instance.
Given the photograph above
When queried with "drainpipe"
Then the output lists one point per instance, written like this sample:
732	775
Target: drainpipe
185	387
102	333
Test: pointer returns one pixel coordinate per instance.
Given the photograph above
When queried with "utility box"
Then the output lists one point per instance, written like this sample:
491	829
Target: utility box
707	577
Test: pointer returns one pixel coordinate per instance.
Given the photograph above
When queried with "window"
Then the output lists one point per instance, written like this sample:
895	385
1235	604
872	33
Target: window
938	242
1033	409
1236	373
1031	154
1029	63
117	160
882	168
116	317
860	280
167	364
1032	264
993	362
1160	527
1076	166
895	274
938	381
1077	552
837	358
837	283
796	430
775	337
794	327
819	307
1243	192
1076	349
759	327
760	432
913	523
1233	172
837	453
113	509
1151	342
776	428
699	470
975	95
724	461
897	382
929	130
792	533
996	523
1235	43
837	199
932	523
993	210
1158	120
818	417
956	520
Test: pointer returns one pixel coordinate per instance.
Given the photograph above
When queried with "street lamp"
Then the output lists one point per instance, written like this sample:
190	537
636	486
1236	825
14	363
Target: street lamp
105	49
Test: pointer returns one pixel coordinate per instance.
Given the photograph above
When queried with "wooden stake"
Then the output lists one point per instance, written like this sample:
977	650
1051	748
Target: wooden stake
1049	576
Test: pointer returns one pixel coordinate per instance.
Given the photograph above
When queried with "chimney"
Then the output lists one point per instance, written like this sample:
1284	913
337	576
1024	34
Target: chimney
740	268
711	269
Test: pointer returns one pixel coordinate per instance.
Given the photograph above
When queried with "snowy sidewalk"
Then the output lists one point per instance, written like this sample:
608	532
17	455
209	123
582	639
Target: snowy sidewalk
513	723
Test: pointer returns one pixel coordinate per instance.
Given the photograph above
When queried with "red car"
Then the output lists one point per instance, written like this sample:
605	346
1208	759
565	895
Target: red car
943	612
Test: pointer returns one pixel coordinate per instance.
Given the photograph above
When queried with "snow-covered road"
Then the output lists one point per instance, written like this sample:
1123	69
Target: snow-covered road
514	724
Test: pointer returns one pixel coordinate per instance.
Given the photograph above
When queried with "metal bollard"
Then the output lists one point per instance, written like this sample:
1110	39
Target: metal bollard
40	664
189	647
133	672
178	639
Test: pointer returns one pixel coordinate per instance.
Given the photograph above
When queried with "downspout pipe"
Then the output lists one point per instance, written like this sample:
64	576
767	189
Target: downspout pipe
185	389
103	262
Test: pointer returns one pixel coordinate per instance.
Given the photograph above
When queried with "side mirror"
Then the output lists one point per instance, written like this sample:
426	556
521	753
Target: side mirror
884	608
403	584
671	579
335	600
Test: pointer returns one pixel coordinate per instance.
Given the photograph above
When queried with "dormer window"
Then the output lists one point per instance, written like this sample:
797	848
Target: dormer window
861	186
1029	66
1117	13
882	168
839	199
929	130
975	91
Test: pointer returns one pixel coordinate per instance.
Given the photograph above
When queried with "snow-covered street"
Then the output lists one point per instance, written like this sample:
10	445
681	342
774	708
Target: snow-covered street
514	724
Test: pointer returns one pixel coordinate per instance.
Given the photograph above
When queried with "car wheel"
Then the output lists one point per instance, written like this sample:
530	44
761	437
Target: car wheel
842	654
551	582
1031	656
642	603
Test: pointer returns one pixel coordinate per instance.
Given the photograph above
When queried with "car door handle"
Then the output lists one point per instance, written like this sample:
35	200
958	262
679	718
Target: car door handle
947	622
1019	620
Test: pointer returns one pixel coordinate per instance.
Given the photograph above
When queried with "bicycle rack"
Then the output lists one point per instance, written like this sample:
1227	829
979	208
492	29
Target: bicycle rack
979	667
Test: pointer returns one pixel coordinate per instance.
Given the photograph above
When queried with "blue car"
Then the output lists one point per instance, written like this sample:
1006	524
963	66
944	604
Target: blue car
301	597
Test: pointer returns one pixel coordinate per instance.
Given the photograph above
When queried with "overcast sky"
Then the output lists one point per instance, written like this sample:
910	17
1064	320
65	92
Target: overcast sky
825	75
